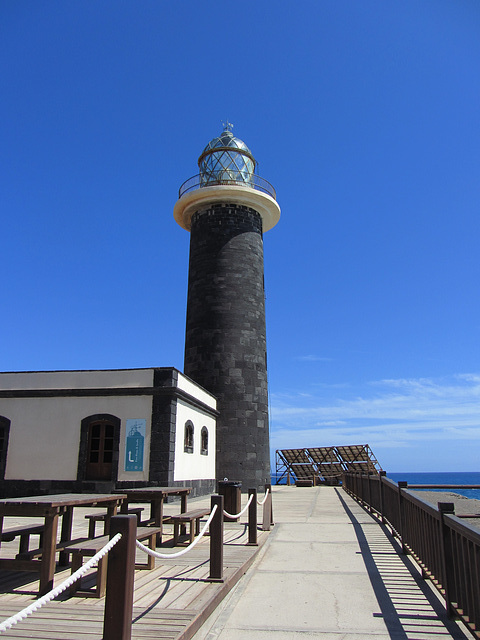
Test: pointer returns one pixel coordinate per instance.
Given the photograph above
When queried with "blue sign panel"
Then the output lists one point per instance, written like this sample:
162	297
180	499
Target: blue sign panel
134	444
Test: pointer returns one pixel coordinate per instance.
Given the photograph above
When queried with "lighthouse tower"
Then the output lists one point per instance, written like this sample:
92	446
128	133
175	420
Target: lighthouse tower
226	208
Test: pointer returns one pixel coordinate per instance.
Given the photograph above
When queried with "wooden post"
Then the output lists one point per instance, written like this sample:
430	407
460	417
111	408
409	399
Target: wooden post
382	475
446	551
117	622
402	484
270	500
216	541
268	509
369	492
252	518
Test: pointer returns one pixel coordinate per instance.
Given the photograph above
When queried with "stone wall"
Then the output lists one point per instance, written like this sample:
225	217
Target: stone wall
225	348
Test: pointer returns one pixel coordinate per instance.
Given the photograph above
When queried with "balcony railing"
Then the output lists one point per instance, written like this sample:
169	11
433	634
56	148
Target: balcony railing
253	181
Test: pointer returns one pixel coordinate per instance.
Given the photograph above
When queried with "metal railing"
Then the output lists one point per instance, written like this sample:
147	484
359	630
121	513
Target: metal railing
446	548
253	181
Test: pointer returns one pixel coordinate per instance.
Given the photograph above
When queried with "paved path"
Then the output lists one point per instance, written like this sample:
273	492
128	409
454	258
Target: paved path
330	571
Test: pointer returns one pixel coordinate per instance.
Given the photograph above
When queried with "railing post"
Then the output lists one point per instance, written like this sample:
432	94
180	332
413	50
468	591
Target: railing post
362	489
402	484
446	550
268	509
270	502
117	621
382	475
216	541
369	492
252	518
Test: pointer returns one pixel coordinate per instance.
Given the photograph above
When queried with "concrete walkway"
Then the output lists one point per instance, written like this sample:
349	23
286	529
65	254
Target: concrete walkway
330	571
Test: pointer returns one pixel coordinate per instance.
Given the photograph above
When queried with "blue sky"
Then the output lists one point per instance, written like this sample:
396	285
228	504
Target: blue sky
365	118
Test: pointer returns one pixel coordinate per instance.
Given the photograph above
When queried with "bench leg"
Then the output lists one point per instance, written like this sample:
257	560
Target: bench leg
76	564
176	531
101	584
152	543
91	528
101	577
150	564
24	543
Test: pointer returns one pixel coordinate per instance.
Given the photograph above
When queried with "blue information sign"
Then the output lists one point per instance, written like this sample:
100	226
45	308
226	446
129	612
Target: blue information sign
134	444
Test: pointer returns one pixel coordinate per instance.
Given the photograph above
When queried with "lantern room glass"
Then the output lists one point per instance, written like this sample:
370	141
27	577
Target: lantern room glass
226	160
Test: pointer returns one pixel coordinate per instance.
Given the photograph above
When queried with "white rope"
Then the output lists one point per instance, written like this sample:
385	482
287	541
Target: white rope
157	554
9	622
237	515
260	502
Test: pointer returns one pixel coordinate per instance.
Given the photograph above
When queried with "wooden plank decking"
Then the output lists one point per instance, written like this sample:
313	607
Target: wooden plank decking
170	602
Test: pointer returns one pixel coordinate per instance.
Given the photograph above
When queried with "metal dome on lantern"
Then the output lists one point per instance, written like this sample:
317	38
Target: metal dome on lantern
226	159
227	170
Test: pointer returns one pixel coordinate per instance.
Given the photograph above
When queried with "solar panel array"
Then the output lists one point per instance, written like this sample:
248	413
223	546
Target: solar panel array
325	463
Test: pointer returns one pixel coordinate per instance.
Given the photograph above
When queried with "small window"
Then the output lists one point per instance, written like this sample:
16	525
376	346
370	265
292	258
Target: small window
188	441
204	444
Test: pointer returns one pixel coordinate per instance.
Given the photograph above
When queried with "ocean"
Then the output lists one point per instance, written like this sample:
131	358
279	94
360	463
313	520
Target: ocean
443	477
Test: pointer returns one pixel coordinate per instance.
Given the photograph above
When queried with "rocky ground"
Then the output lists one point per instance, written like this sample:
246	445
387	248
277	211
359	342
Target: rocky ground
463	505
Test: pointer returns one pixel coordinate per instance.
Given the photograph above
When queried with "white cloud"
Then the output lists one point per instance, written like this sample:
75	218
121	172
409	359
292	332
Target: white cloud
397	414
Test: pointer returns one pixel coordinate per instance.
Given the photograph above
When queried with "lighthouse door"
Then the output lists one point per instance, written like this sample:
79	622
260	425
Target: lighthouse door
100	450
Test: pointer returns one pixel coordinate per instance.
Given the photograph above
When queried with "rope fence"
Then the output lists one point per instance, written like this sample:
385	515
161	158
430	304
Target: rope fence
237	515
21	615
157	554
262	502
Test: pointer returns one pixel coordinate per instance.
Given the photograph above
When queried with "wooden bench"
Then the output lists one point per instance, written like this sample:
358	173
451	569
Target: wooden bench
302	482
93	518
23	532
188	517
88	547
33	554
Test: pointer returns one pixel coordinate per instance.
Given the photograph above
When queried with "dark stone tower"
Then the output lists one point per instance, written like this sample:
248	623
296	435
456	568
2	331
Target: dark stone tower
226	208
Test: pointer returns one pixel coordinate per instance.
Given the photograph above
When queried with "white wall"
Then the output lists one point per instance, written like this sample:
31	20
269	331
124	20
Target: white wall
45	434
193	389
194	466
112	379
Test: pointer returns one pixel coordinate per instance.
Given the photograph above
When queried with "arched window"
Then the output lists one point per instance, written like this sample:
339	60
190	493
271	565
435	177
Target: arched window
4	434
204	442
99	447
188	440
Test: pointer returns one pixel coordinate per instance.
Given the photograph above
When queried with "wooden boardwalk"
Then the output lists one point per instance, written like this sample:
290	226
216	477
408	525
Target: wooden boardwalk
170	602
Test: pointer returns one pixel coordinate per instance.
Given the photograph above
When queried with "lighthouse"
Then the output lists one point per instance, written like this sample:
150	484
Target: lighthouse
226	208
